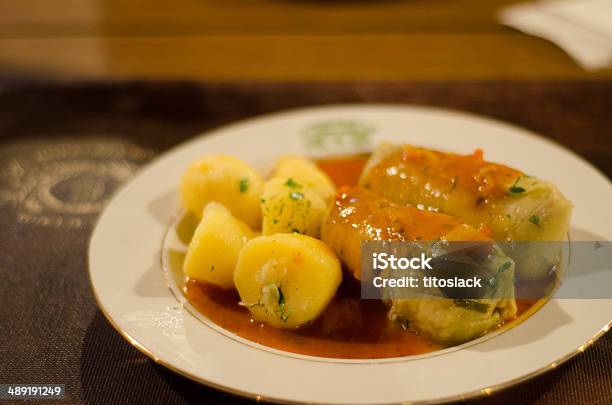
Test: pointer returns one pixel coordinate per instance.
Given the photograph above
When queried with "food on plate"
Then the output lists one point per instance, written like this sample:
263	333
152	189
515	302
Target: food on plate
226	180
452	322
215	245
287	280
284	287
305	172
503	202
359	215
290	206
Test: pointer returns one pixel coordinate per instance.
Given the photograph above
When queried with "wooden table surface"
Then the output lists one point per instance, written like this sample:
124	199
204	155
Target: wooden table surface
275	40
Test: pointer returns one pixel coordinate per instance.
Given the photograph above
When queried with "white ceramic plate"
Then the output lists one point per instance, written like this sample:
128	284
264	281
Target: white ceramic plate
127	278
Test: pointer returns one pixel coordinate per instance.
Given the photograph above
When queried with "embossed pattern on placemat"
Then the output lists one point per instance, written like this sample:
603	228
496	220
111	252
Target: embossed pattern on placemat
64	149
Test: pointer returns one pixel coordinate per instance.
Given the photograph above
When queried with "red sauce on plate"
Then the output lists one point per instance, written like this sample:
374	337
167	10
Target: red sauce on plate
349	328
344	170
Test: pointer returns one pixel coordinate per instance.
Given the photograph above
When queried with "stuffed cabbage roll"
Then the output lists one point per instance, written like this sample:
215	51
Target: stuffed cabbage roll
358	215
500	201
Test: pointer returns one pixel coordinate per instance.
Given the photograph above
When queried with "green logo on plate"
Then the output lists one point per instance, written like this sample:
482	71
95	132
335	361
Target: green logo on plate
341	135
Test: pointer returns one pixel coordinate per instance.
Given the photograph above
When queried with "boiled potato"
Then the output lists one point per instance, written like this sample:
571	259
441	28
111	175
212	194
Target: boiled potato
226	180
306	173
288	207
286	280
214	248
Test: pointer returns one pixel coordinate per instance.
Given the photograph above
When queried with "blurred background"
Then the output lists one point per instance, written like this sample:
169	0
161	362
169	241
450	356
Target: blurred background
92	90
278	40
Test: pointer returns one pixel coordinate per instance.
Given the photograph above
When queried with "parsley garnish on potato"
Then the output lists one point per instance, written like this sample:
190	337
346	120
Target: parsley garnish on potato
535	219
514	189
292	183
244	185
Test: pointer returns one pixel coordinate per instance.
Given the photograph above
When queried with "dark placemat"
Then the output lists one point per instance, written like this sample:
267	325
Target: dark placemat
64	149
